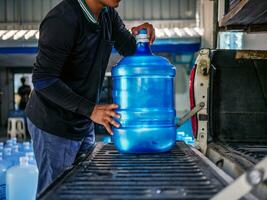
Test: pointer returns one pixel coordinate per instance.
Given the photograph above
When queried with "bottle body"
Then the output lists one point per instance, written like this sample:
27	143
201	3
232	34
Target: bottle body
21	182
4	166
147	124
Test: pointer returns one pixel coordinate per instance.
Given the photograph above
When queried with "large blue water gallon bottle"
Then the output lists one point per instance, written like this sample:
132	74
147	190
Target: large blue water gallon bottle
143	89
21	181
4	165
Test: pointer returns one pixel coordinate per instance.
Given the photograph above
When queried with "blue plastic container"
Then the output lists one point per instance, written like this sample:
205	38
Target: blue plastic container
7	155
21	181
16	153
31	158
9	143
26	147
143	89
1	146
4	165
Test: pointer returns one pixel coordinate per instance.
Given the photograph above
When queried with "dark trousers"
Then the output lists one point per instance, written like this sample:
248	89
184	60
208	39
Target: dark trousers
54	154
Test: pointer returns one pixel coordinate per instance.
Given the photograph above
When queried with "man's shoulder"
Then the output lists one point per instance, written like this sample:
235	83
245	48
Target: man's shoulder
66	10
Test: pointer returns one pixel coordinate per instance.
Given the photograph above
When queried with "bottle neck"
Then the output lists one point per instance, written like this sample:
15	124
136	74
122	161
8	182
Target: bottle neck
143	48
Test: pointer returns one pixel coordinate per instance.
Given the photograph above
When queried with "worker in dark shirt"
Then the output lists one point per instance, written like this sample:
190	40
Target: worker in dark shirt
24	92
76	39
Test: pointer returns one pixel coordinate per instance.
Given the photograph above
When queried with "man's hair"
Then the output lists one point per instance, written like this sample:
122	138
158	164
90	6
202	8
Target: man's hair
23	79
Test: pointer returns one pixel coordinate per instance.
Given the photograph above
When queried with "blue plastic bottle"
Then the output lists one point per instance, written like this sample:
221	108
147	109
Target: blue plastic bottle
4	165
21	181
143	89
9	143
16	153
7	154
27	147
15	142
31	158
1	146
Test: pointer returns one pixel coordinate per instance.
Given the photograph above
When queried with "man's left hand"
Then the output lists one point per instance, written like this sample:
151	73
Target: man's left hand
150	31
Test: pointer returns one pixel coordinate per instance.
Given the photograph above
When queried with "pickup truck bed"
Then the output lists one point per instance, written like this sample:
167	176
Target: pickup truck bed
106	174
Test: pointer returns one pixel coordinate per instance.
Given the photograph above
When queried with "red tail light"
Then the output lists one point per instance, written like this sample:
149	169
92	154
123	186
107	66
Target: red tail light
192	99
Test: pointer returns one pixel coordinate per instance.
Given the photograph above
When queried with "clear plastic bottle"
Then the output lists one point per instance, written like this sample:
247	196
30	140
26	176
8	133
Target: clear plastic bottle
4	165
1	146
21	181
16	153
7	155
15	142
27	147
31	157
9	143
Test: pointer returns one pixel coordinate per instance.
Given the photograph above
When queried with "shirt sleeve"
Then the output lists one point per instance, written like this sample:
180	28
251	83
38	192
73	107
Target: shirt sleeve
125	42
57	37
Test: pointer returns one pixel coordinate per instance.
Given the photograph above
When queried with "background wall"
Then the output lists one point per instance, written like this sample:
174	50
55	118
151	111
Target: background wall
29	13
255	41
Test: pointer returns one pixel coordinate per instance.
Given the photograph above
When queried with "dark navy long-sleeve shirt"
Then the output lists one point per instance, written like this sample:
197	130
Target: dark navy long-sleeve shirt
70	67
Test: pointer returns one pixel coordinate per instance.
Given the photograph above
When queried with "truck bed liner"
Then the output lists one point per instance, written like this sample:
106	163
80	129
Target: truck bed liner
106	174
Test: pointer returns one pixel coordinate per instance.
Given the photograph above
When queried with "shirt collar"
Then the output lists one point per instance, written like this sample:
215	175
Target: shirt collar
88	13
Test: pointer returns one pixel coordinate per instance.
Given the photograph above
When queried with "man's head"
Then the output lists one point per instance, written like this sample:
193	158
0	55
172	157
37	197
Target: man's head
23	80
110	3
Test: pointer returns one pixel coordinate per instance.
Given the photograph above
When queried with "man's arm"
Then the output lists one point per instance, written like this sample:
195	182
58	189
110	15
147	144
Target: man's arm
57	38
125	42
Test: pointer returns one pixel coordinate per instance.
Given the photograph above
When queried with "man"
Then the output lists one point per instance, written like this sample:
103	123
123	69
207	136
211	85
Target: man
76	39
24	92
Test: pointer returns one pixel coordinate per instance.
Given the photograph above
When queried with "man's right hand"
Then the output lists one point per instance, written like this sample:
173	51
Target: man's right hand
103	114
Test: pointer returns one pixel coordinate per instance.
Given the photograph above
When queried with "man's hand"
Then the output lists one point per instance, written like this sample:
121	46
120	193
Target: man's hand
150	31
103	114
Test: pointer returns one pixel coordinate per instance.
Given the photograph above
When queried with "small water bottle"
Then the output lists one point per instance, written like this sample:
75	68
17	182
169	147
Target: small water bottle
4	166
15	142
1	146
7	155
31	158
9	143
27	147
16	153
21	181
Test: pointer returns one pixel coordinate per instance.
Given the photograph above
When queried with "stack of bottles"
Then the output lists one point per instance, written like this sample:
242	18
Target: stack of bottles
18	171
185	133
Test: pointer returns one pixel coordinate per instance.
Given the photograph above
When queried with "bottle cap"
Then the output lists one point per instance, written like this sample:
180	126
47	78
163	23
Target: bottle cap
26	145
142	36
29	154
143	31
23	160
